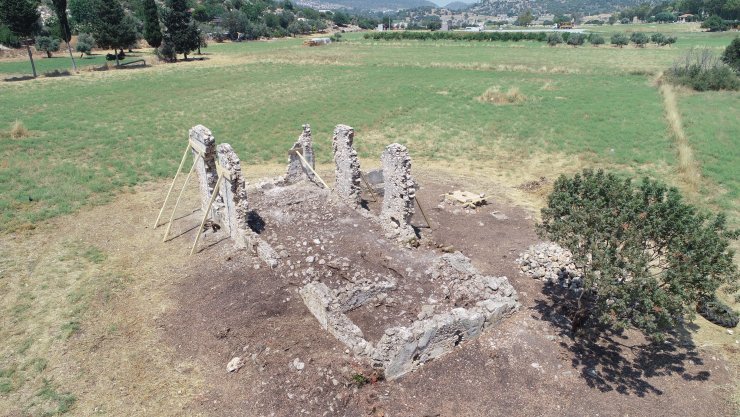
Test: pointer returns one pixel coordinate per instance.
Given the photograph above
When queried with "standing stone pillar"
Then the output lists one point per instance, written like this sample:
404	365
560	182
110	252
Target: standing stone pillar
399	194
234	193
296	171
203	143
347	165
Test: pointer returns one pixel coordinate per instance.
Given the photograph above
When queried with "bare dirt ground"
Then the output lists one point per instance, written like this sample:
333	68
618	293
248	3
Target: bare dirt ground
156	340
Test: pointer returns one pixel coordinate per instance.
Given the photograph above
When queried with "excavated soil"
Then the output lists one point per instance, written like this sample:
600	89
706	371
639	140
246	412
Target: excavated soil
230	304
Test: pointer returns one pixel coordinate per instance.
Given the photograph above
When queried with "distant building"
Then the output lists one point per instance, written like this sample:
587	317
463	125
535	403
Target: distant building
380	27
684	18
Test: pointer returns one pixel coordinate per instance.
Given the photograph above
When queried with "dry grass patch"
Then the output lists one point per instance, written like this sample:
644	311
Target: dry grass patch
687	164
18	130
494	95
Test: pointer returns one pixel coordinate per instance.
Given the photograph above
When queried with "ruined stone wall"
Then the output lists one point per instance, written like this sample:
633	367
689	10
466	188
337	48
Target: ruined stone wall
235	211
399	193
296	170
204	143
347	165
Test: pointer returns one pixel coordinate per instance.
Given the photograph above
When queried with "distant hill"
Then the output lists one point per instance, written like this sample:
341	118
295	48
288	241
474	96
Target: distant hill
382	4
457	5
493	7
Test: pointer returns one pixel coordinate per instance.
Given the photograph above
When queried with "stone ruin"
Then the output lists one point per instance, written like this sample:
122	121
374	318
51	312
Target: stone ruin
470	303
399	194
454	301
347	166
203	144
297	170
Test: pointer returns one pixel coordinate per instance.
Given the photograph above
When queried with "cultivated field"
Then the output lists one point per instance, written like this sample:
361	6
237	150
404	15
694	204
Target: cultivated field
81	294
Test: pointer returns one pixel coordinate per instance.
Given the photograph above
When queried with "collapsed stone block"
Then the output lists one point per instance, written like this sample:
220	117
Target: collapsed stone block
347	165
204	144
296	169
399	194
235	210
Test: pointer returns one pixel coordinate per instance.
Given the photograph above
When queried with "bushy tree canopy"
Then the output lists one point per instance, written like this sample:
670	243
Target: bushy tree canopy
20	16
152	28
180	30
647	257
731	56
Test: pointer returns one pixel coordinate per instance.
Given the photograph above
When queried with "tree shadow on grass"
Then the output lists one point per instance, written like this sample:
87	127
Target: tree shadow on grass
616	361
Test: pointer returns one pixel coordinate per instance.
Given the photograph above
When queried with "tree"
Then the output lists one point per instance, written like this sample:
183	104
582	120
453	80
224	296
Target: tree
340	18
554	38
525	18
576	39
639	39
85	44
715	24
646	257
60	8
47	44
84	14
152	28
595	39
180	30
620	39
22	18
731	56
113	29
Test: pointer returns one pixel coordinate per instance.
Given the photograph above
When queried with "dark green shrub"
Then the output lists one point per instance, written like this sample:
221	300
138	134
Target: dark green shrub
731	56
718	313
639	39
658	38
670	40
554	38
166	52
715	24
596	39
620	39
85	44
8	38
576	39
646	257
47	44
702	71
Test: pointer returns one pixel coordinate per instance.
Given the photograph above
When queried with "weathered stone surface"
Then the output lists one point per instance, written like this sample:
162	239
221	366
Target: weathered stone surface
475	302
347	165
296	169
235	211
205	168
551	263
399	194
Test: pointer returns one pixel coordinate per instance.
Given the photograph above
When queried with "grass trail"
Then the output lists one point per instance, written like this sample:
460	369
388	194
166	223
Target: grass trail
688	167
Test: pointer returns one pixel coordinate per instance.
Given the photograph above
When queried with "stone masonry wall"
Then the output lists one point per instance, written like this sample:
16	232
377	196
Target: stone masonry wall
296	170
234	192
205	168
347	165
399	194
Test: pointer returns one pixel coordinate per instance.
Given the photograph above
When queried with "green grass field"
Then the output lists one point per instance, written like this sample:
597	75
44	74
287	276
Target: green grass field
95	133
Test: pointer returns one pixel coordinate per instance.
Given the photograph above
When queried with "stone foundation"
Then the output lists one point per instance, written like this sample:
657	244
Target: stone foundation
475	302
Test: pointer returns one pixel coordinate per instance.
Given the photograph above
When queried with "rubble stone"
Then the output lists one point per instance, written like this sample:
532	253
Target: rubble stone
347	165
399	194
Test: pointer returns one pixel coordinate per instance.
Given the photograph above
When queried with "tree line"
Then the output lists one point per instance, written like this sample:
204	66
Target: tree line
172	27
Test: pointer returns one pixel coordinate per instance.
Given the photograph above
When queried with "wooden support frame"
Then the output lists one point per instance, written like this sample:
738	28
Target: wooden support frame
299	152
369	187
422	212
222	173
179	168
179	196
